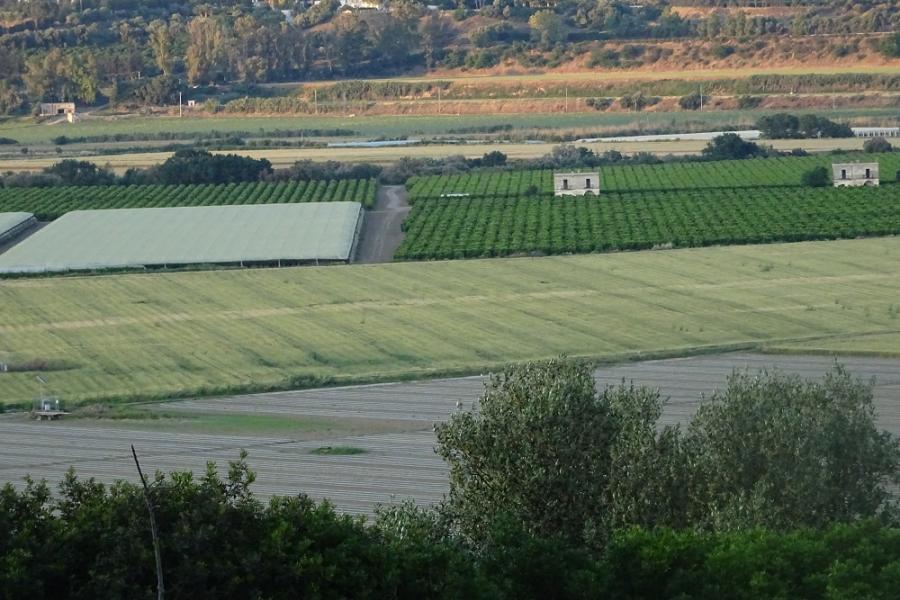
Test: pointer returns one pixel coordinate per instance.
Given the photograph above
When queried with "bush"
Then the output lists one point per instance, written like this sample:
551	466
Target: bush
787	126
876	145
691	101
730	146
816	177
747	102
891	45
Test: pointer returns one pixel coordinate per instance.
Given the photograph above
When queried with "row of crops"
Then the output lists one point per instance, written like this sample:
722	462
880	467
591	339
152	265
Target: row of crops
778	171
48	203
469	227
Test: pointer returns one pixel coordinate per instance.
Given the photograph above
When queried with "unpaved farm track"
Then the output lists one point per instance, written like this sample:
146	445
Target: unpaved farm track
381	231
397	465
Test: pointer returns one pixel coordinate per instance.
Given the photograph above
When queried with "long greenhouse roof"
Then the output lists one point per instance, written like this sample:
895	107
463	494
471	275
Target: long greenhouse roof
11	220
136	237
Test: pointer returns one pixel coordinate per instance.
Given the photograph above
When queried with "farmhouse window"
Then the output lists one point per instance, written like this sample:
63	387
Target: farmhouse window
868	174
587	184
565	184
843	173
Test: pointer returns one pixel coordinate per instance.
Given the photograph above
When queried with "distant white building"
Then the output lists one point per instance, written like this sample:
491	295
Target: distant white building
362	4
854	174
49	109
576	183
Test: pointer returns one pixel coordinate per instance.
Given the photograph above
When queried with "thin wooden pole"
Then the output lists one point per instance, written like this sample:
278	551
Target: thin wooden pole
154	531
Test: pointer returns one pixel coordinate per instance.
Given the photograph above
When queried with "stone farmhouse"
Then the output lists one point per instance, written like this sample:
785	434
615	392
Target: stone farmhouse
854	174
577	183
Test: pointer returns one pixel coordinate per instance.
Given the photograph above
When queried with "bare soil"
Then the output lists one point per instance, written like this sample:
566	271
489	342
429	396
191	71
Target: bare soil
381	232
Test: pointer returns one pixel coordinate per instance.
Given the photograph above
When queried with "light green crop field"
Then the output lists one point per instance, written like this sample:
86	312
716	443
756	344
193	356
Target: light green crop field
876	344
163	334
26	131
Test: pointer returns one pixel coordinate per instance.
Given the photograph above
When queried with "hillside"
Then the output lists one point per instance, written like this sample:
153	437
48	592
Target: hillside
148	53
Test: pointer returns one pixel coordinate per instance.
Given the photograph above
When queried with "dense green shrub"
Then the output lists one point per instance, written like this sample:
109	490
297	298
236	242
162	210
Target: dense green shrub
816	177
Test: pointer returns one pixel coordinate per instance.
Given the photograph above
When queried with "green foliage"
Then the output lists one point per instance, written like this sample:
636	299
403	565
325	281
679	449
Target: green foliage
786	126
816	177
80	172
546	453
51	203
891	45
199	166
730	146
778	171
691	101
476	227
877	144
535	451
777	451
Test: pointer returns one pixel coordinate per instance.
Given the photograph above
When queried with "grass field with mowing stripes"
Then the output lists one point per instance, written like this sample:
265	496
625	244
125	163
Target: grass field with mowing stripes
155	335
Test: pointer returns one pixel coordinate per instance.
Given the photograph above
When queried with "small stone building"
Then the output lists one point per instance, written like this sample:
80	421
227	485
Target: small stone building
51	109
854	174
576	183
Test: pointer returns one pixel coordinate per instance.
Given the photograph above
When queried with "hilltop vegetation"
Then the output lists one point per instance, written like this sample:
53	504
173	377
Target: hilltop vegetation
145	53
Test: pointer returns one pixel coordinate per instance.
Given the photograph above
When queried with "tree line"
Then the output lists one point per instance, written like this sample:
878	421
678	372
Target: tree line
777	487
145	52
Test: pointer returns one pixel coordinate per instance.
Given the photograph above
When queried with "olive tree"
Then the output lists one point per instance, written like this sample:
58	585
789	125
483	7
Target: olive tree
546	449
779	451
547	452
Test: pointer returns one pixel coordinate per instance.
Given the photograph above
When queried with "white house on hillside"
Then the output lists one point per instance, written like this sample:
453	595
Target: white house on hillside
855	174
576	183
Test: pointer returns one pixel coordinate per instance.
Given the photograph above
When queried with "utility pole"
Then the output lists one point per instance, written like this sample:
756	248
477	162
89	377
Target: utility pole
316	99
567	98
179	105
439	99
701	96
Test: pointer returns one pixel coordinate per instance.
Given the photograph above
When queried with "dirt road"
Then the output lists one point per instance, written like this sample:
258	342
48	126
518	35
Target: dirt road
381	232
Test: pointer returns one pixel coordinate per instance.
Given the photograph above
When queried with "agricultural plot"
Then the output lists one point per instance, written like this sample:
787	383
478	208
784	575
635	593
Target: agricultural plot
266	234
779	171
393	466
157	335
472	227
50	203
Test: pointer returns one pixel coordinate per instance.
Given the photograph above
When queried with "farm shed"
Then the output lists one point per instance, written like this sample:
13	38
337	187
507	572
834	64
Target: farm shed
14	223
51	109
242	235
855	174
576	183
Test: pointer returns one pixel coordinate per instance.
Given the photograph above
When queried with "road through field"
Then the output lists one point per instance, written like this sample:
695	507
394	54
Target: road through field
382	230
396	466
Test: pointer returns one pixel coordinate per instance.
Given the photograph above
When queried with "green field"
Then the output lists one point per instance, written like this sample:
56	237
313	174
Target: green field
875	344
481	227
48	203
377	127
155	335
777	171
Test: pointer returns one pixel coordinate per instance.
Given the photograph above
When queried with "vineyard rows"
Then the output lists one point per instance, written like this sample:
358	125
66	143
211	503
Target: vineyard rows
48	203
467	227
779	171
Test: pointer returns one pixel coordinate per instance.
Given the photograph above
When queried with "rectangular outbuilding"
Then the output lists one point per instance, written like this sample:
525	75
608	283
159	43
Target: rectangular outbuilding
855	174
14	223
243	235
50	109
576	183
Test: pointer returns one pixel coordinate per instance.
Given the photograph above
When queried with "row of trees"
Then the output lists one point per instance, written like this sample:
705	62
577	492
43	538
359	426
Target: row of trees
112	47
778	487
